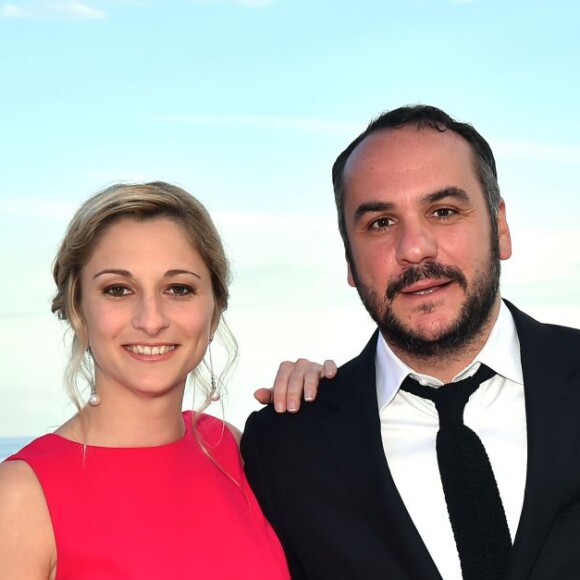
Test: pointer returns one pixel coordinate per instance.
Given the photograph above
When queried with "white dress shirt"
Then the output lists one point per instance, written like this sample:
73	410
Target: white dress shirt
409	425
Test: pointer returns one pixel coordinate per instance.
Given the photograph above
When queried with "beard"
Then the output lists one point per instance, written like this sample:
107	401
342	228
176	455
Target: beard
480	297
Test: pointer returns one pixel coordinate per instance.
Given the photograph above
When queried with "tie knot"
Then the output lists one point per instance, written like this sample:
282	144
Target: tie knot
450	399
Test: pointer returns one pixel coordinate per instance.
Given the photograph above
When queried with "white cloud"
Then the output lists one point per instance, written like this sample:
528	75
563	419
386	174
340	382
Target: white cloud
279	222
31	208
84	11
254	2
441	1
12	11
251	3
109	177
48	9
509	148
272	122
538	151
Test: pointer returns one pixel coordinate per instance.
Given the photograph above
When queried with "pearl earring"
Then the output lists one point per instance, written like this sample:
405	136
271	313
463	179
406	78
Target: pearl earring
94	398
214	394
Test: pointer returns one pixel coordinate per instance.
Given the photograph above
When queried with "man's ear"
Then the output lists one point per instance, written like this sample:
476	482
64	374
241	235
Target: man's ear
503	233
349	275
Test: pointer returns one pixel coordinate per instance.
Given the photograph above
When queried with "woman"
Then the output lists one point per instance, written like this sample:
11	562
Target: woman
130	487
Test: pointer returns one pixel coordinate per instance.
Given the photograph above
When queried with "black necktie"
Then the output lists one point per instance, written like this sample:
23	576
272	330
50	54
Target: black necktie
473	501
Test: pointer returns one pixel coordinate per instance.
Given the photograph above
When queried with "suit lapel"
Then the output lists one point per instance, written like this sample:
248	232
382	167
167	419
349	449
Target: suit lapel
552	433
352	425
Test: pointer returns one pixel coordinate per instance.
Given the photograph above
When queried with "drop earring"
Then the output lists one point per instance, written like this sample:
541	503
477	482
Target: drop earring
94	398
214	394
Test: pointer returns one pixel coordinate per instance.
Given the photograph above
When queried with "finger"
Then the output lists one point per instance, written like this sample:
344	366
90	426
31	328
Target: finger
263	396
280	388
330	369
303	382
311	382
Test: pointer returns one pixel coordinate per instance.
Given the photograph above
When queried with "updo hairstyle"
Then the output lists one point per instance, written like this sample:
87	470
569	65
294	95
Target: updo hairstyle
140	202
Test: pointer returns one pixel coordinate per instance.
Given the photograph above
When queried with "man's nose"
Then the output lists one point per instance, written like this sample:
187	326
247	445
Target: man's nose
416	242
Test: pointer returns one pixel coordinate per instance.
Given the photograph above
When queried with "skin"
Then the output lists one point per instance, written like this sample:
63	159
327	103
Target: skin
412	198
27	549
292	380
143	285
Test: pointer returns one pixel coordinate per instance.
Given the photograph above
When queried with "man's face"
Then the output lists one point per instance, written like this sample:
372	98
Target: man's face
424	260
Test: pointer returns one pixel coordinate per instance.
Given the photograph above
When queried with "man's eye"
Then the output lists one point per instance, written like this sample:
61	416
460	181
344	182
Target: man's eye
116	291
444	212
381	223
180	290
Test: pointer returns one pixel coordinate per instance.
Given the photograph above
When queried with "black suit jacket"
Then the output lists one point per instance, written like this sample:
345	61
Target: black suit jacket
323	481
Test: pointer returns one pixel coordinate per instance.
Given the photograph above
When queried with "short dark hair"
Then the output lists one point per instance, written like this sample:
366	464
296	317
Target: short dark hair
422	116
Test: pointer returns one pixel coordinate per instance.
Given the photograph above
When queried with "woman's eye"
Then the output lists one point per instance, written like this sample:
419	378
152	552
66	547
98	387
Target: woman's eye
116	291
181	290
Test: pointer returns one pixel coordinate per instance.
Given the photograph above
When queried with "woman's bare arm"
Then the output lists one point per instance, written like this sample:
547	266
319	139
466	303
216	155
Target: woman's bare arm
27	546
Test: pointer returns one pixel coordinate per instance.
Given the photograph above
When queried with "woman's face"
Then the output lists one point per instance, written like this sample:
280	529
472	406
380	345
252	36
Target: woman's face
148	306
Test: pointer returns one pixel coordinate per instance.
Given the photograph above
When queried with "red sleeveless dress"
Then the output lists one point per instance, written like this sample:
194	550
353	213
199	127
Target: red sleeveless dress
154	513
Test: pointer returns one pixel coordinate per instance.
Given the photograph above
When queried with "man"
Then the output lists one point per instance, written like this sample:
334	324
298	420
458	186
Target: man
356	484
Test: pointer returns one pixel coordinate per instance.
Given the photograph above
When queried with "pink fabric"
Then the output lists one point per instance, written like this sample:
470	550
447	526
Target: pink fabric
154	513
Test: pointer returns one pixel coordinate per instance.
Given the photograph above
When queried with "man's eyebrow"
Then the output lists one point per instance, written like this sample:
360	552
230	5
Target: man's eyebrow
446	192
127	274
372	207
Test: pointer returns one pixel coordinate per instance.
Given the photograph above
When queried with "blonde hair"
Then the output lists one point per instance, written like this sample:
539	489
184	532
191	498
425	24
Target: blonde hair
139	202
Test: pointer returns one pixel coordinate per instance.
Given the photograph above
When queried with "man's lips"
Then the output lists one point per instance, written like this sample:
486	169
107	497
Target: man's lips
425	279
424	287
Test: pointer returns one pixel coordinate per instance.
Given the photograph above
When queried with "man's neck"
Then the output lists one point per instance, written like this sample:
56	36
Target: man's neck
447	364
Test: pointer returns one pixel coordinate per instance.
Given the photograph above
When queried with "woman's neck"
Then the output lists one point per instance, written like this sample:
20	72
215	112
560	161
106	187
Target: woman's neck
144	423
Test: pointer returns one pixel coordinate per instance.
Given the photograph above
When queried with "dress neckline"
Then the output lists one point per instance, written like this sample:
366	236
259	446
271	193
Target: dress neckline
186	416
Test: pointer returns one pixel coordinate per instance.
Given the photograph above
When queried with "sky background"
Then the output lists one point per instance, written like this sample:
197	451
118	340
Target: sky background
246	104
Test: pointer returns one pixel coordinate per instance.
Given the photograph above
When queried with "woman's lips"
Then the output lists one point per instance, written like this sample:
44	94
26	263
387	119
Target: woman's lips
150	350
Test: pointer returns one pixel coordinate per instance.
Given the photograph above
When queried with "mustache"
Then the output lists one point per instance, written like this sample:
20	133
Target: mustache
431	270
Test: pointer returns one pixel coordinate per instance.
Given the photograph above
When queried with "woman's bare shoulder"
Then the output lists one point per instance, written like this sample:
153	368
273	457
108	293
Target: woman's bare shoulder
18	485
27	547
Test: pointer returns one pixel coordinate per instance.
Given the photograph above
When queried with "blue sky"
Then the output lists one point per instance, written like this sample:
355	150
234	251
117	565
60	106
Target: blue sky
246	104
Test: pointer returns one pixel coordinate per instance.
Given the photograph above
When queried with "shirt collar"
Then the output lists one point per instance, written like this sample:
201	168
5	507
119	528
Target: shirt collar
501	352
